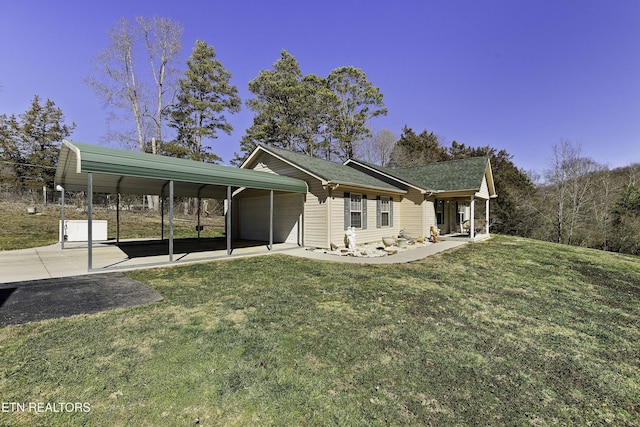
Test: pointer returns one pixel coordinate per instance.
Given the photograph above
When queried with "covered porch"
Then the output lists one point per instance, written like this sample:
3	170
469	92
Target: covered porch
463	217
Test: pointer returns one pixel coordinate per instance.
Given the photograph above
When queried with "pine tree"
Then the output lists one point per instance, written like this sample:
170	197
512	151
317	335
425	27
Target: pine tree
42	129
205	95
10	155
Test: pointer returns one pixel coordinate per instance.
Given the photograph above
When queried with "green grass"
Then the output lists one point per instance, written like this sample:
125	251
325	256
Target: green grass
509	331
29	231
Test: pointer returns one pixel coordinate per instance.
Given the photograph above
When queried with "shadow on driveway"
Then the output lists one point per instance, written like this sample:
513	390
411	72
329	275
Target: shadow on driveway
149	248
22	302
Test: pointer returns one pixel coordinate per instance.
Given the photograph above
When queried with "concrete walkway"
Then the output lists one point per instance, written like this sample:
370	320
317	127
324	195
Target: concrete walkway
51	261
411	255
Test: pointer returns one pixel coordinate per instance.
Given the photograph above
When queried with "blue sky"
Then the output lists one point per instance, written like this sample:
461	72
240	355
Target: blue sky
518	75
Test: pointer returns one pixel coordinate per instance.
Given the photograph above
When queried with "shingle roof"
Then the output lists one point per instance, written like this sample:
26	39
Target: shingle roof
331	171
452	175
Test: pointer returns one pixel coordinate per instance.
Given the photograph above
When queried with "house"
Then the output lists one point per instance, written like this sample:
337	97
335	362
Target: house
377	201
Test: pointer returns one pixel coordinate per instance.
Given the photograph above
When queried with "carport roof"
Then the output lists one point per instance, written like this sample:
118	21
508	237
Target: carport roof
129	172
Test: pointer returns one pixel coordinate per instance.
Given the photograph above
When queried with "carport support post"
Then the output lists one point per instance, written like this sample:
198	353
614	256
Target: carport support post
170	221
228	218
271	220
62	217
90	221
199	207
118	219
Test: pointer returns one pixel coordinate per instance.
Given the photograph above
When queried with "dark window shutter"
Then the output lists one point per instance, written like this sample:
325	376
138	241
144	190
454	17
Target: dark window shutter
347	210
391	211
364	211
378	212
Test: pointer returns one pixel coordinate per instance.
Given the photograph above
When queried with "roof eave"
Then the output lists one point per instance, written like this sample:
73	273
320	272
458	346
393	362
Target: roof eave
363	186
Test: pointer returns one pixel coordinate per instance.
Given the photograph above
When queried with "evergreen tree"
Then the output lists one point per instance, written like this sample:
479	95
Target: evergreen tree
205	95
414	150
42	129
10	155
278	107
358	102
310	114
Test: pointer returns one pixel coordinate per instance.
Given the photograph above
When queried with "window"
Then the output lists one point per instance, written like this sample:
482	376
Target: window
440	211
356	210
384	212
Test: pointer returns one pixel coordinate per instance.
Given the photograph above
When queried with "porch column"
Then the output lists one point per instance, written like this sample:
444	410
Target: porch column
89	221
271	220
228	218
486	210
472	231
171	221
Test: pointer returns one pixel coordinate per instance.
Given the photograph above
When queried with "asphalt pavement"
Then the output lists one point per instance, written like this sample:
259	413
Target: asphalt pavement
35	300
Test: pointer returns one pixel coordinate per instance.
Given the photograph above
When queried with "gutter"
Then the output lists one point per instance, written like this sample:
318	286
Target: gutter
335	184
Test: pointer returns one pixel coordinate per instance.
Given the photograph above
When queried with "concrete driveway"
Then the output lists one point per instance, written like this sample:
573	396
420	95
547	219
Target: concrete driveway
52	261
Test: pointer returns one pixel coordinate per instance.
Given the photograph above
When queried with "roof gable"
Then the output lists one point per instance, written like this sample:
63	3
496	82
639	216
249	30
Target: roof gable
327	171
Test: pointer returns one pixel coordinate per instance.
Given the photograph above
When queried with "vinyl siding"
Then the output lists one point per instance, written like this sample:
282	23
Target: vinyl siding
315	211
253	217
371	233
484	189
430	216
412	213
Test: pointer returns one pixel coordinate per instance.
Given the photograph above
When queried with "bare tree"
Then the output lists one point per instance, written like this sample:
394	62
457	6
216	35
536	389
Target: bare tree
571	178
126	84
116	79
162	40
119	81
377	148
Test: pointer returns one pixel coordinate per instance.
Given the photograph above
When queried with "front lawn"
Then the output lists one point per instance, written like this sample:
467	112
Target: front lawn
509	331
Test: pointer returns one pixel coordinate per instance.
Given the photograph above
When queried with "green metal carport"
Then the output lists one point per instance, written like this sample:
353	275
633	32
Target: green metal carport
94	168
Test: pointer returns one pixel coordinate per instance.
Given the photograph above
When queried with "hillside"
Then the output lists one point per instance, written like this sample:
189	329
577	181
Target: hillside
509	331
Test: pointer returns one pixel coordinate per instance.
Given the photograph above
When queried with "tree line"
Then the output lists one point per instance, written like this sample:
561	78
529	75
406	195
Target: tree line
30	144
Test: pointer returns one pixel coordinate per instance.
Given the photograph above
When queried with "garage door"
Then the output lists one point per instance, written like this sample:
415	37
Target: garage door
253	220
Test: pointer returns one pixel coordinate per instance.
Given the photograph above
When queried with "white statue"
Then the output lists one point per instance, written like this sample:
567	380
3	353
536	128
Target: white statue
351	238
